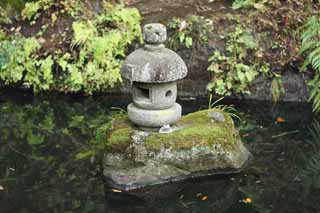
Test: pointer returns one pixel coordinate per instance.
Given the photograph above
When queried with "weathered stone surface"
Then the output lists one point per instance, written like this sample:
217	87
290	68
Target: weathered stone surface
154	33
153	72
198	146
154	63
154	96
154	118
159	66
217	116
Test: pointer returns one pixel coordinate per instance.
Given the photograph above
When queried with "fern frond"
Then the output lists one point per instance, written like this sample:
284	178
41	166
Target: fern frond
315	93
311	48
83	31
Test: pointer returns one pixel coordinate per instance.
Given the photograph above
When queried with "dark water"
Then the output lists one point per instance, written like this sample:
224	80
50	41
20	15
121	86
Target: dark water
44	142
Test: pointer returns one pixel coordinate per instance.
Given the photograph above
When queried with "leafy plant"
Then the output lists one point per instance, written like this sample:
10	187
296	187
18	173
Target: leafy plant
235	69
3	35
4	16
91	63
193	29
101	49
276	89
18	62
230	72
31	9
311	48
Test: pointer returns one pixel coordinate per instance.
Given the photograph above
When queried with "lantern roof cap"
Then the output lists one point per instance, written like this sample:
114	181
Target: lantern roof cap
154	63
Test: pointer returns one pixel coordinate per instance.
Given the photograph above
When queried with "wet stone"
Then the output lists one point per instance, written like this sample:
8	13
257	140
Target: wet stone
197	147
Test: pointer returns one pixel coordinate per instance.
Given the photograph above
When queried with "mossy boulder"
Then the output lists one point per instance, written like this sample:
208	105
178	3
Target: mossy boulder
202	143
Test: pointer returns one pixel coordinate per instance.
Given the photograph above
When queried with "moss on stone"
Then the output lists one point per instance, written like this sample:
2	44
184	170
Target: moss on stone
193	129
119	137
201	117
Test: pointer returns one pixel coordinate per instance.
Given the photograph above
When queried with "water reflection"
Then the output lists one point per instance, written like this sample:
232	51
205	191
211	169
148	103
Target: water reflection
50	161
40	141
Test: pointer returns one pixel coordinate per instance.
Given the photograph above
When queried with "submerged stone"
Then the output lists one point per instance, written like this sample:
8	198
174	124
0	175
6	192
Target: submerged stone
197	147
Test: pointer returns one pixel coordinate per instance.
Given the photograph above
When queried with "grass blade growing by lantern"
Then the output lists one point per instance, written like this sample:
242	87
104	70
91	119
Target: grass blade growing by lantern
226	108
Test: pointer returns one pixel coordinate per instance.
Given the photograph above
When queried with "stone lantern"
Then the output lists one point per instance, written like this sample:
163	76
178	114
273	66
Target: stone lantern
153	72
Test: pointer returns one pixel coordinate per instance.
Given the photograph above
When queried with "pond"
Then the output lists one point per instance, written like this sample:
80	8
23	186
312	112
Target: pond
50	160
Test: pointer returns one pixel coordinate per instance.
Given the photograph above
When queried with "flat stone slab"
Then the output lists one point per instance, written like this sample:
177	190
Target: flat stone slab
201	144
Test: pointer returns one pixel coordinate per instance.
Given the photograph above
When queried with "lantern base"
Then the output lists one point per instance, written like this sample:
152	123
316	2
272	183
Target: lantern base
153	119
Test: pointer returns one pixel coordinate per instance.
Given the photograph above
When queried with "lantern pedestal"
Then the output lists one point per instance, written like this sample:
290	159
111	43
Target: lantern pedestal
202	143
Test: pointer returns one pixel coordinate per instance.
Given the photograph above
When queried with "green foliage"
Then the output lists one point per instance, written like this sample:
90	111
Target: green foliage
101	49
13	4
311	48
235	69
277	89
18	63
31	9
83	31
3	35
93	60
258	4
193	29
74	8
4	16
230	71
39	74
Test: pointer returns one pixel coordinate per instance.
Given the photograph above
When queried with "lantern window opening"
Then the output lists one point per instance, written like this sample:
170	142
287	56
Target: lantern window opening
144	93
169	94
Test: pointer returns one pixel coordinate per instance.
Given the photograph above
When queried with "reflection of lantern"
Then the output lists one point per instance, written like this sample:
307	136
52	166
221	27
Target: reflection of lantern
154	71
